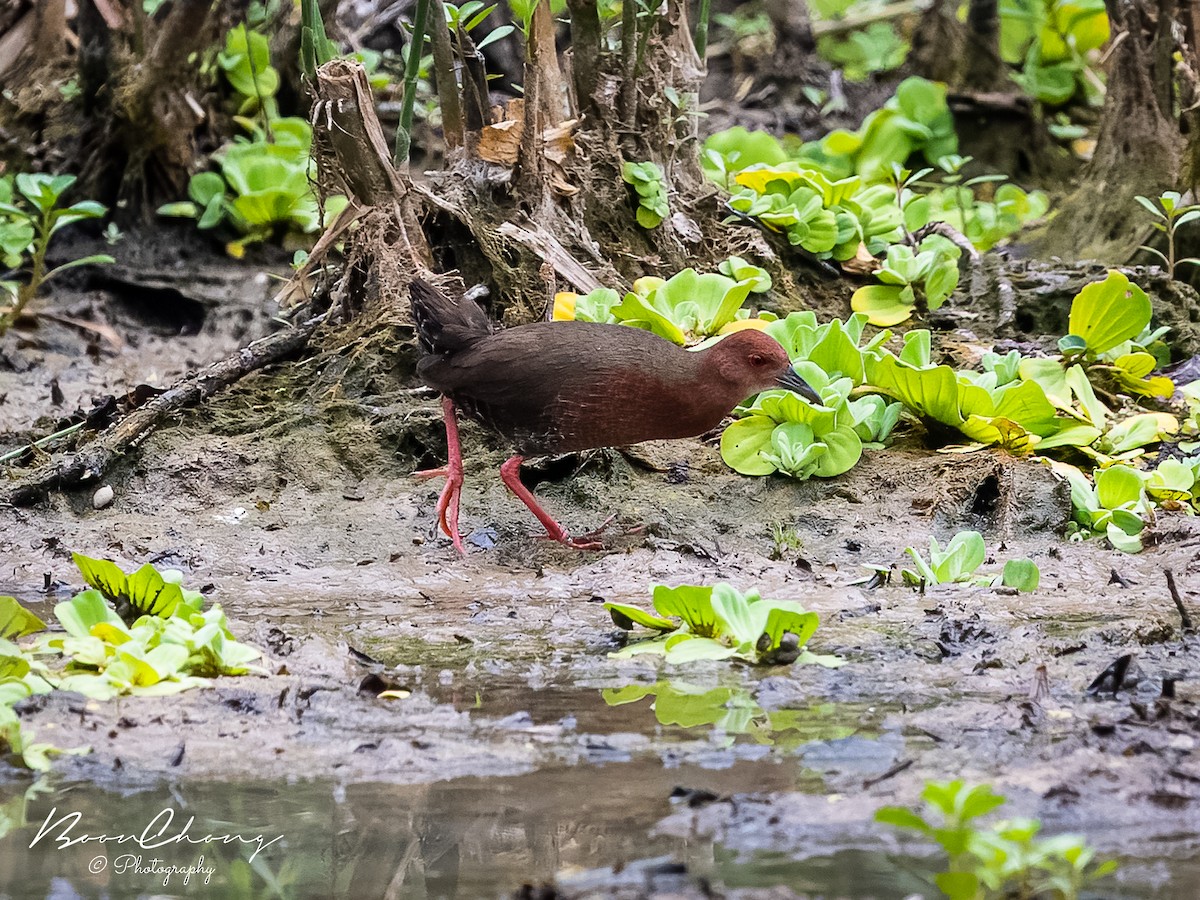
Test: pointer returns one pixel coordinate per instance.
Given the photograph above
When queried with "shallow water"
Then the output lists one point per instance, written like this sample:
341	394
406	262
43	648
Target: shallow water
588	827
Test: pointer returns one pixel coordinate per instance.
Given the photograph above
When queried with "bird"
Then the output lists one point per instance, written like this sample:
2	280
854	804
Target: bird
562	386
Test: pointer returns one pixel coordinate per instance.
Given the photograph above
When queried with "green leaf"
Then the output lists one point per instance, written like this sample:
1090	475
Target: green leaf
146	591
1022	574
1123	541
739	270
843	451
99	259
1071	343
1118	485
625	616
1105	313
883	304
85	611
693	649
744	618
744	442
918	348
691	603
204	186
787	616
899	817
958	885
958	561
1081	387
16	621
180	210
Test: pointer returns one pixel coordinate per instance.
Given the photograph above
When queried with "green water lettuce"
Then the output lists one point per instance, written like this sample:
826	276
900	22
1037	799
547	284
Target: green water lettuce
146	592
683	309
928	274
781	432
1115	505
717	622
649	184
264	186
958	562
1107	312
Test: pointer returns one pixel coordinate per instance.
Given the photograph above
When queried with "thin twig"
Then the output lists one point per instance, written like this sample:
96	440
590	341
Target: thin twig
98	457
1184	618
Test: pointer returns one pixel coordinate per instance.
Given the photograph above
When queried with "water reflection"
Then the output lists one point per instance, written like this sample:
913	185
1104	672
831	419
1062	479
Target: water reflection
470	837
733	711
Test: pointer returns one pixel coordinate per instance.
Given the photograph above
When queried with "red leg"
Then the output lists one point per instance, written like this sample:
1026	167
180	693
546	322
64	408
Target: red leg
447	505
510	473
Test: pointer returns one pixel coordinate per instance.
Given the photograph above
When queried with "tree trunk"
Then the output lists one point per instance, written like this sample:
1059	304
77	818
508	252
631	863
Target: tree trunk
1143	146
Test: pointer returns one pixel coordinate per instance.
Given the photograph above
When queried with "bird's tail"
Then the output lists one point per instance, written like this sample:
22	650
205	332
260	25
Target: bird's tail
443	325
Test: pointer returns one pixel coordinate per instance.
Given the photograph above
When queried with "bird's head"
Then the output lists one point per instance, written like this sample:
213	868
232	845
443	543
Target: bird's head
753	361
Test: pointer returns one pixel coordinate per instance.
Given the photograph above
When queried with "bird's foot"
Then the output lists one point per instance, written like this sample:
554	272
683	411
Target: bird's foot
447	505
589	541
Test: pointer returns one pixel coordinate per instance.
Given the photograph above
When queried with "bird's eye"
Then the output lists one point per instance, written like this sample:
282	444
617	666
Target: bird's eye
756	360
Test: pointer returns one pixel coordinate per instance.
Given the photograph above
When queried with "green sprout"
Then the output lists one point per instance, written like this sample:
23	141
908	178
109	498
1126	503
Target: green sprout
30	216
1171	214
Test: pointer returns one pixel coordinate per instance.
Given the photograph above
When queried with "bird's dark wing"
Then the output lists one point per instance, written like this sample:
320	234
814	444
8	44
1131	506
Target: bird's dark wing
552	387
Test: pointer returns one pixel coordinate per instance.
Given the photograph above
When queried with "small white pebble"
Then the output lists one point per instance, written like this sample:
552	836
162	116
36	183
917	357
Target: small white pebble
102	497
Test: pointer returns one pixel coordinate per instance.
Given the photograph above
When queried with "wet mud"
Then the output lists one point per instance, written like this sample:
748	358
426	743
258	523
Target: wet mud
523	753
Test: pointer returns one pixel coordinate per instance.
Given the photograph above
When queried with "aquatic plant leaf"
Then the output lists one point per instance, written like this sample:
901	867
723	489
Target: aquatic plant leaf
1095	411
597	306
1138	431
1126	543
1134	377
84	611
1070	436
744	444
739	270
963	555
1172	479
625	616
16	621
742	618
843	451
692	648
1118	485
146	591
958	885
838	354
1022	574
884	305
13	665
691	603
931	392
789	616
1105	313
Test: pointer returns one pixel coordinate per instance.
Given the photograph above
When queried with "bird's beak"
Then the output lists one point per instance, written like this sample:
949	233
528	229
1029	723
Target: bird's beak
791	380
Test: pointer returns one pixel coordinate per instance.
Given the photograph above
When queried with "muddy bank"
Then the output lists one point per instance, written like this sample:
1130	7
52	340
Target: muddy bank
525	753
344	582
